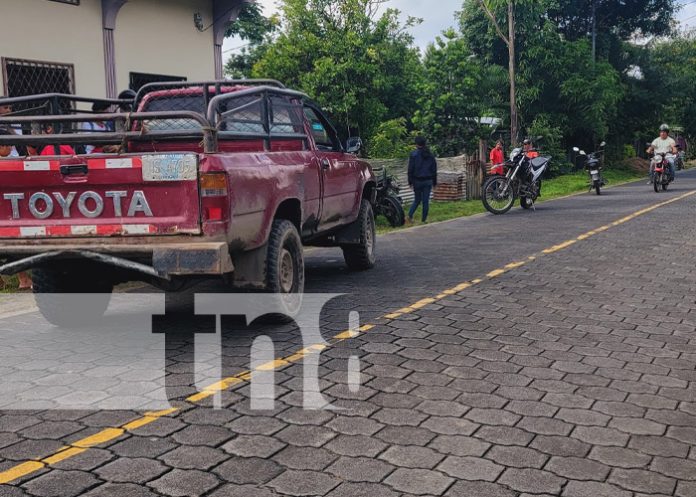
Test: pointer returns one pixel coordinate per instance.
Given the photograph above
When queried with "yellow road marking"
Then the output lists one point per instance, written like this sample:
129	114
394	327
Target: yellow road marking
110	434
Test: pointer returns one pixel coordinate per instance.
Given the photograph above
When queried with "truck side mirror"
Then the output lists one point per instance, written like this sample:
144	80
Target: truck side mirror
354	145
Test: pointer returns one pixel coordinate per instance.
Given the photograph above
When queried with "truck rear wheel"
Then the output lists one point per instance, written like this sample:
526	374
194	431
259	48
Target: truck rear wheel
50	286
285	260
361	256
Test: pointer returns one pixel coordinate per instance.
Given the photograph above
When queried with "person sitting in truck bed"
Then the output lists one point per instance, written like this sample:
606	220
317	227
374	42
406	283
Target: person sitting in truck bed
48	150
97	126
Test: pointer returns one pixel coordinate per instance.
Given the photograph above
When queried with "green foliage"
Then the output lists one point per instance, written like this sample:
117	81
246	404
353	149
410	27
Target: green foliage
629	152
255	29
549	138
392	140
358	64
456	92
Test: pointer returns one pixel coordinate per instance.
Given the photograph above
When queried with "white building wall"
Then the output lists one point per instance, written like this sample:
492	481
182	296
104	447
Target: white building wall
159	37
59	33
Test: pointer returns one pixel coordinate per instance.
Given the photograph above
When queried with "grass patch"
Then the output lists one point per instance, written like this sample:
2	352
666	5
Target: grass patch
552	188
9	284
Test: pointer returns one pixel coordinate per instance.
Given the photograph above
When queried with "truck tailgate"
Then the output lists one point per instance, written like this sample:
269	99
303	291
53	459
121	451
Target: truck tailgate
147	194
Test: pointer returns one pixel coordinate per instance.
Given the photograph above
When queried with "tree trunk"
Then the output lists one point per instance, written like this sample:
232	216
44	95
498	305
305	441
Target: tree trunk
511	65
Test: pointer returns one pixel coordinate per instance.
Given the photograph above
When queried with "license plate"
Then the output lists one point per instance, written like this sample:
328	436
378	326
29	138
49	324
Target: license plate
170	167
594	172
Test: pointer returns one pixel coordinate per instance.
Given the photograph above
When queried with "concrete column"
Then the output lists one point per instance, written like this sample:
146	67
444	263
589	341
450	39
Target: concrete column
110	10
224	12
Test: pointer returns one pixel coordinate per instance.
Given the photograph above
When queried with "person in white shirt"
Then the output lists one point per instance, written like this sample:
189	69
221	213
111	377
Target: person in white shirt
4	111
96	126
666	146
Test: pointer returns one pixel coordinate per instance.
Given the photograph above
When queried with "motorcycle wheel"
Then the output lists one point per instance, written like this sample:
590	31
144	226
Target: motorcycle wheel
493	200
526	203
665	186
598	187
657	182
392	209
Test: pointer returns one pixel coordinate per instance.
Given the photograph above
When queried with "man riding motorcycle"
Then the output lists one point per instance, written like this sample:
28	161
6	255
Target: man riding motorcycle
664	145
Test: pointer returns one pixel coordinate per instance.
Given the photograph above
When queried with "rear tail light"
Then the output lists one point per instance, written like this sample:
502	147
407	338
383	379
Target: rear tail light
213	185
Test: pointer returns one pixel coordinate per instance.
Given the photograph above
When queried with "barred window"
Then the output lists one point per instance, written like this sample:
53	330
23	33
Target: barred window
71	2
140	79
31	77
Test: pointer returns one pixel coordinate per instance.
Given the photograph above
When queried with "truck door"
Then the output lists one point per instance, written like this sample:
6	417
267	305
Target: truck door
338	171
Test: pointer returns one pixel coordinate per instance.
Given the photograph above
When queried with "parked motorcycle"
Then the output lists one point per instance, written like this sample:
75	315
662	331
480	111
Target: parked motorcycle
521	179
389	203
661	175
681	159
593	166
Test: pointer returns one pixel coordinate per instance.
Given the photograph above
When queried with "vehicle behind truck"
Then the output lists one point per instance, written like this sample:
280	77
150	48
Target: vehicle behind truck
214	180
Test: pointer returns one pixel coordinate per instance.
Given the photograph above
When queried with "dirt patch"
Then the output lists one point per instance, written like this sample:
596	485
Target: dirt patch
636	164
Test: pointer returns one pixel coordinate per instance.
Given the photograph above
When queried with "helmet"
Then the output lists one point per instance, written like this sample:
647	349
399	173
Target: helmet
664	127
527	142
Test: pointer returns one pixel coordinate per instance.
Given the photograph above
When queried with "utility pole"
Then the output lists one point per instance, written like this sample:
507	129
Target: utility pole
509	40
594	33
512	70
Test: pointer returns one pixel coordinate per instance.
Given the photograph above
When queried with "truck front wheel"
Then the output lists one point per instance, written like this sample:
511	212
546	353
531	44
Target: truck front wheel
52	288
361	256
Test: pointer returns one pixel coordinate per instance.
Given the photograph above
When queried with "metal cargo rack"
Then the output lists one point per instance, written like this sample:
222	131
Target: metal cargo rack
226	110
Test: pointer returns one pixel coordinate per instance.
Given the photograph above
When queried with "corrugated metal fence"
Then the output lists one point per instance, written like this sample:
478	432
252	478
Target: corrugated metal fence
459	178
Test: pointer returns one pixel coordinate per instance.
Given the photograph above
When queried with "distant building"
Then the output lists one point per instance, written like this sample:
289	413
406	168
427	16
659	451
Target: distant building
99	47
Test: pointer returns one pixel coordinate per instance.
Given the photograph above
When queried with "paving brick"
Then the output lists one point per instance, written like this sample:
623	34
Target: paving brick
642	481
251	471
479	489
600	436
419	481
545	426
305	436
459	445
677	468
411	457
234	490
504	435
576	468
119	490
593	489
126	470
492	417
620	457
304	483
447	426
192	457
637	426
360	469
358	445
253	446
470	468
531	480
305	458
61	483
659	446
138	446
517	457
362	490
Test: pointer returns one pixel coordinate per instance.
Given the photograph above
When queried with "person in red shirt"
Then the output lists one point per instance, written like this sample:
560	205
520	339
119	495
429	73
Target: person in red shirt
497	154
528	147
47	150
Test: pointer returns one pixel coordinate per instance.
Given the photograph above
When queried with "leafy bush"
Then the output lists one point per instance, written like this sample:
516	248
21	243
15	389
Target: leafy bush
392	140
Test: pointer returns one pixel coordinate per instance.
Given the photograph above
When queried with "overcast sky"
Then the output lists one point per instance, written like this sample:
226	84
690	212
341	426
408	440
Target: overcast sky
435	20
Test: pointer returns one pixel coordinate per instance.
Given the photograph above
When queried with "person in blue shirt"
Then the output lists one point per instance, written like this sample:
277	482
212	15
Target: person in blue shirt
422	177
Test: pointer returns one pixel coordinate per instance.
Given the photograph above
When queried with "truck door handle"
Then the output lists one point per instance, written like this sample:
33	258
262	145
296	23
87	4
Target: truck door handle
73	169
325	164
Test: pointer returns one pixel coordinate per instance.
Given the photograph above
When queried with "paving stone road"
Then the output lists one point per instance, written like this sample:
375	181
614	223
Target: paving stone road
573	375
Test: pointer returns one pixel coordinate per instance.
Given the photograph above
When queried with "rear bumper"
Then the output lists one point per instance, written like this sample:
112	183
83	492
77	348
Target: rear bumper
153	260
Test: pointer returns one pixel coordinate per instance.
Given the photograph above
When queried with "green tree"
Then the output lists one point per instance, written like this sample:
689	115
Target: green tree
458	89
256	30
392	140
358	64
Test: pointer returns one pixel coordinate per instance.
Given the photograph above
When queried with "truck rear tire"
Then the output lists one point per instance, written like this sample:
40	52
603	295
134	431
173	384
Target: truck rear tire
49	283
361	257
285	260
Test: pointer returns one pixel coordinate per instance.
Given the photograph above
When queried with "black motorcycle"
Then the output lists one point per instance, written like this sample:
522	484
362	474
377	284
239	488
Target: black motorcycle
593	166
389	202
520	178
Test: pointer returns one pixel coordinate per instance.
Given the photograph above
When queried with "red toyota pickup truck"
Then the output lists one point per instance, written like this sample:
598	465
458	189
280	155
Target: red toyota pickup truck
223	179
